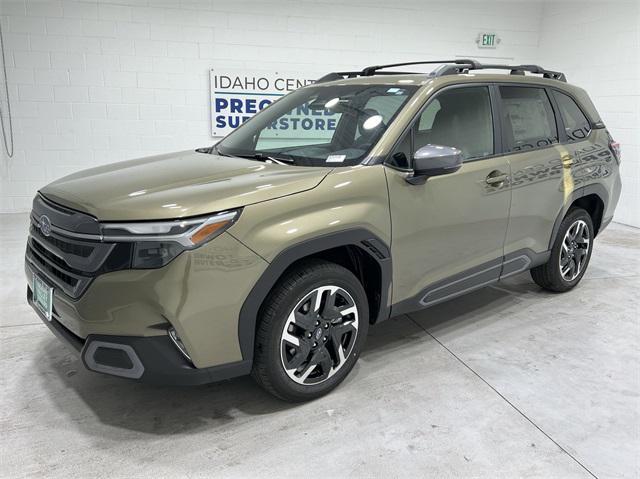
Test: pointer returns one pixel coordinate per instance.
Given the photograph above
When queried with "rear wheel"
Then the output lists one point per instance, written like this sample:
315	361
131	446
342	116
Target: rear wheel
570	253
312	329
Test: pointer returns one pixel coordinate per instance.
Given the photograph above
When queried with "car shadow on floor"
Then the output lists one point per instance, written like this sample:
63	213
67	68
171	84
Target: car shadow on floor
82	395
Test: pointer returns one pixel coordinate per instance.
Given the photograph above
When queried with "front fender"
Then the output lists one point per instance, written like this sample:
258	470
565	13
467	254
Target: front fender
350	207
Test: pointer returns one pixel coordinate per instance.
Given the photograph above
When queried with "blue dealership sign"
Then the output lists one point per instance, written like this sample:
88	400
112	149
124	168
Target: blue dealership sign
237	96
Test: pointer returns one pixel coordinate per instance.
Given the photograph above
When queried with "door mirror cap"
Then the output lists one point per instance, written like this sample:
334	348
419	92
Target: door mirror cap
434	160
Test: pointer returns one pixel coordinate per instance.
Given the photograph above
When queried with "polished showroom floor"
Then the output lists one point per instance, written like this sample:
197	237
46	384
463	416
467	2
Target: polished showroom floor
508	381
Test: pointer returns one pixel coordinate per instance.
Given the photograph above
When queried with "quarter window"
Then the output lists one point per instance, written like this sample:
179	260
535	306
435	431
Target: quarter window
576	124
527	118
401	156
460	117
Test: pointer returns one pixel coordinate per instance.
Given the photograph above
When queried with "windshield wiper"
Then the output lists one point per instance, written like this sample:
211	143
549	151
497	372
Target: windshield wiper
267	158
256	156
211	150
207	149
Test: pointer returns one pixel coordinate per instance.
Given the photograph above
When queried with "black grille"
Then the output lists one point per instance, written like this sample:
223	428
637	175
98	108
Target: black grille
54	270
67	261
42	251
74	249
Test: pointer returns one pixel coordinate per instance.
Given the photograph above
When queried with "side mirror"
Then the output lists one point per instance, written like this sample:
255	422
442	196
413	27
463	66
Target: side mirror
434	160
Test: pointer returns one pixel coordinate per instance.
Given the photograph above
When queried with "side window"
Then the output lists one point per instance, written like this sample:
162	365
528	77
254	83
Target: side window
575	123
460	117
428	115
528	118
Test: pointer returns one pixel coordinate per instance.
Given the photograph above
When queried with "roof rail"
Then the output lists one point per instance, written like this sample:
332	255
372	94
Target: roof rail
536	69
449	67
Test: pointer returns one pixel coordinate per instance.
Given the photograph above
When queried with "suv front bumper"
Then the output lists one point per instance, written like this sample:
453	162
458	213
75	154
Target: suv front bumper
120	324
152	359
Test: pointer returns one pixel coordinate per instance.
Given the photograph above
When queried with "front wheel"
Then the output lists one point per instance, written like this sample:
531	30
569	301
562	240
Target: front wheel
570	253
312	329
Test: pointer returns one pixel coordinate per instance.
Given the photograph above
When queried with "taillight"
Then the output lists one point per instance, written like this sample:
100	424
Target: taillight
614	146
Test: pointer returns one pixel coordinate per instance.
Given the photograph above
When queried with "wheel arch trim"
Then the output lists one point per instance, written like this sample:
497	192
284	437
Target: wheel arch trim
361	238
593	189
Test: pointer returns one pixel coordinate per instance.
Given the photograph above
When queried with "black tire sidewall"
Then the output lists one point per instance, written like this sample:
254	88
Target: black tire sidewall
325	274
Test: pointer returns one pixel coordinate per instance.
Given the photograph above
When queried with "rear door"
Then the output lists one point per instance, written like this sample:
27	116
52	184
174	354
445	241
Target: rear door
540	172
448	233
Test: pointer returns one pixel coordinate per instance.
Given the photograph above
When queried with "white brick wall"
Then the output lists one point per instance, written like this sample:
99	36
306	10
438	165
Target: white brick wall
98	81
597	44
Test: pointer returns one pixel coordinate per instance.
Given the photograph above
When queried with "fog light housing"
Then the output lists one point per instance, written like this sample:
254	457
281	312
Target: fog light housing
178	342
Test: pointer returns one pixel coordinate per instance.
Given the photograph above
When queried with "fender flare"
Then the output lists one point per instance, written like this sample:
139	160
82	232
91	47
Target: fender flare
594	189
361	238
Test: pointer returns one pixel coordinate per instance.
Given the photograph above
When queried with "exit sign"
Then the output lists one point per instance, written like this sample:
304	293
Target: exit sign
487	40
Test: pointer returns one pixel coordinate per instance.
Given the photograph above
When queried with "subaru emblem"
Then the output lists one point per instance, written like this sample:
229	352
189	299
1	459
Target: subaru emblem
45	225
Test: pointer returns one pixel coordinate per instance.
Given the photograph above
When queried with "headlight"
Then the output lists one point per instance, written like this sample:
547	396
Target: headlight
158	242
154	254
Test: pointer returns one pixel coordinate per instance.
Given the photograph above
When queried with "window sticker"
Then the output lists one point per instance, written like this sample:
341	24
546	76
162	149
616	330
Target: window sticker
336	158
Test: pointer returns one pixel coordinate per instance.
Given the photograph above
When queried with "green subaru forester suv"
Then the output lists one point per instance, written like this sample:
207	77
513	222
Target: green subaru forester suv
361	197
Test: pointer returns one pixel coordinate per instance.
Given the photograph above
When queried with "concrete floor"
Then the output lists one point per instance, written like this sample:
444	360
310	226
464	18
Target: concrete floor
508	381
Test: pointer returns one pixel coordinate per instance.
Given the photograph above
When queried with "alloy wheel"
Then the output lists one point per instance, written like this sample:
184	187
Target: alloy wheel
575	250
319	335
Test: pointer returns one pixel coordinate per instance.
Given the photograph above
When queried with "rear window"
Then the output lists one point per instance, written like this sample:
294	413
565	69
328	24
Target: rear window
527	118
576	124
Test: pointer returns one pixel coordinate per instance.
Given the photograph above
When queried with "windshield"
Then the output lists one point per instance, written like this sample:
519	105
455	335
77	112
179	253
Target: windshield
319	125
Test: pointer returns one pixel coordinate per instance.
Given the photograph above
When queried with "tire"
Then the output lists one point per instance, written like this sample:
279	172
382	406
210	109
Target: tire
570	253
338	328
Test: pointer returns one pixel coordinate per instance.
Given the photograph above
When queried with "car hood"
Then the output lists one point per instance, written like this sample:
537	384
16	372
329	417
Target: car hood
178	185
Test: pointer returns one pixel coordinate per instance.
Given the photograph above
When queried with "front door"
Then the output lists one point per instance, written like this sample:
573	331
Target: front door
448	233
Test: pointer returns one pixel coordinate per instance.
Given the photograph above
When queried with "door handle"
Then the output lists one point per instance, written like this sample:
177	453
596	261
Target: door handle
496	177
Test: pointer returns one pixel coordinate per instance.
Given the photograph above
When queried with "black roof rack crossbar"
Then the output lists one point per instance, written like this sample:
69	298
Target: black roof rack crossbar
374	70
336	76
369	71
342	75
449	67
